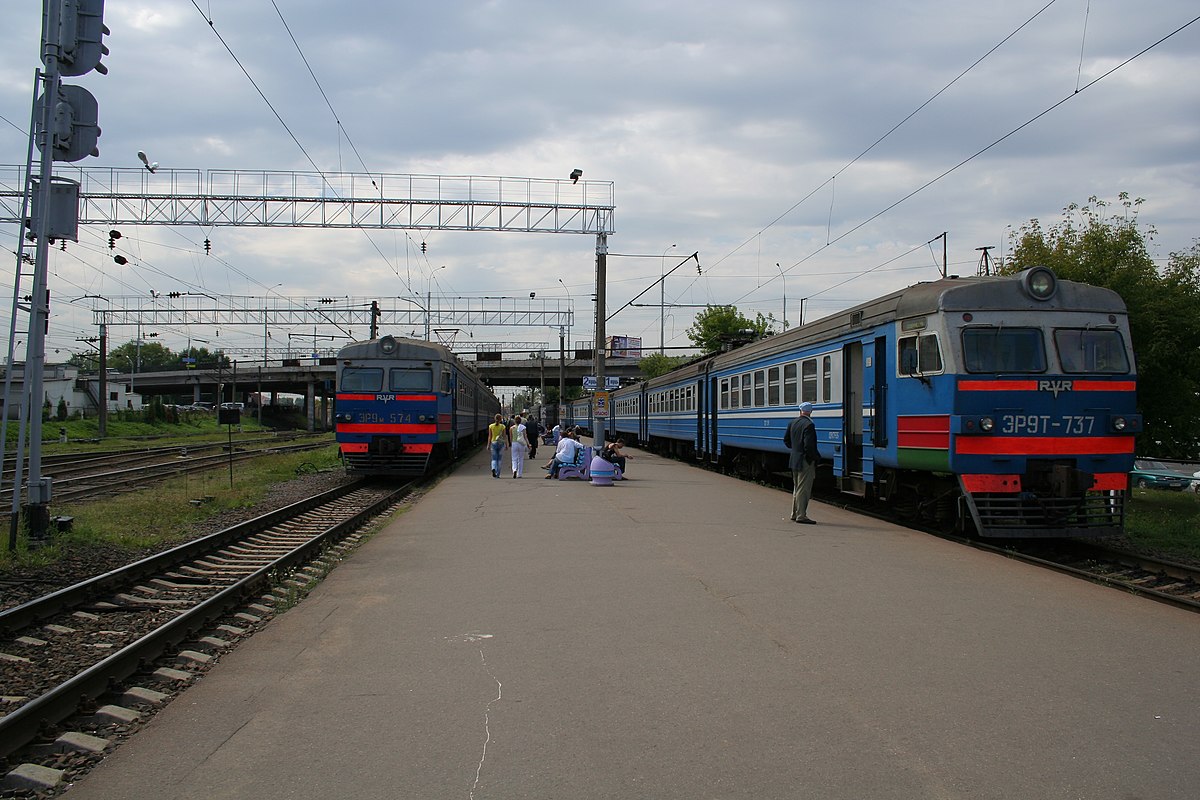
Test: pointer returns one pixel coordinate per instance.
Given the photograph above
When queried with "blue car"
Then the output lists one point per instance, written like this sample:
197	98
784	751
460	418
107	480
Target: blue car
1157	475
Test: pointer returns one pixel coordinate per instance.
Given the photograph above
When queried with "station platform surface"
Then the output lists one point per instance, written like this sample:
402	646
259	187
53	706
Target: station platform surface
677	636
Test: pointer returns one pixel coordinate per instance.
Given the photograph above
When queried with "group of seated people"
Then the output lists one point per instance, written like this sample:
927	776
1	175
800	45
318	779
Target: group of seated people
571	452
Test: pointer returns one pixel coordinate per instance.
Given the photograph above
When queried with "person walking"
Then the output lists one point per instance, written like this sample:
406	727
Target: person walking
801	438
533	432
519	439
497	435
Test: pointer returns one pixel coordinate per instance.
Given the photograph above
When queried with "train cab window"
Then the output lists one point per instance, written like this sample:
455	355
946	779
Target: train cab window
760	388
1003	350
808	381
446	380
361	379
411	380
724	392
790	384
773	386
1100	351
920	355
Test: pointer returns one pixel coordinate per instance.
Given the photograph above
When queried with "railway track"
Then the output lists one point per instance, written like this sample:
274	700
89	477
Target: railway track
61	651
1165	581
80	477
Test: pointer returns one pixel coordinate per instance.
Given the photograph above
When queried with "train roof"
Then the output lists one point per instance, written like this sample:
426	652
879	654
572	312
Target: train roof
952	294
415	349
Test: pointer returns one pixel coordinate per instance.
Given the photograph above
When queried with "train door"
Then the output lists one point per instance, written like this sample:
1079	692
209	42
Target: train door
851	476
714	408
643	416
699	403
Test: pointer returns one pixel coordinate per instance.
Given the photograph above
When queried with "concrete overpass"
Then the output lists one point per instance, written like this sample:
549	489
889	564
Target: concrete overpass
314	378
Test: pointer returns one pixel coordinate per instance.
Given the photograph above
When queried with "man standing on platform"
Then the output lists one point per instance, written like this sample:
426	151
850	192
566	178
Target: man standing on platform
801	439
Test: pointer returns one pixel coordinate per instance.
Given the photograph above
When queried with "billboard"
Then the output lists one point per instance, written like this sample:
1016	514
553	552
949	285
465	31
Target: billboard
623	346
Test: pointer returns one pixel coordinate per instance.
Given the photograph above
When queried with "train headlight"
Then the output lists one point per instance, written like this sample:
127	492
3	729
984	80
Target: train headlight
388	345
1039	283
1118	423
986	424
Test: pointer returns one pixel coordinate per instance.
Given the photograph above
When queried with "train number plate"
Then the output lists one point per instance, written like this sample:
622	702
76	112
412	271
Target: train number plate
1044	424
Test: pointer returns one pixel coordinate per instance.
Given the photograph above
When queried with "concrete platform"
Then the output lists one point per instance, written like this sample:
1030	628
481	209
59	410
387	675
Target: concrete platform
676	636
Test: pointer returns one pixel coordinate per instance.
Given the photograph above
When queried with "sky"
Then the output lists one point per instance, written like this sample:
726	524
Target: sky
801	149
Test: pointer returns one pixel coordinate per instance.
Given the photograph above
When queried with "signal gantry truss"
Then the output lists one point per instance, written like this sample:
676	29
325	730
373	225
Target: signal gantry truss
262	199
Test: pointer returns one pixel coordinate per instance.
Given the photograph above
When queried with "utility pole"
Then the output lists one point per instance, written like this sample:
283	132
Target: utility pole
72	44
600	424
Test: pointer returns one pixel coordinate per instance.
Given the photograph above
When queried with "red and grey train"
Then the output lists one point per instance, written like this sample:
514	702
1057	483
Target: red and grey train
405	406
1006	404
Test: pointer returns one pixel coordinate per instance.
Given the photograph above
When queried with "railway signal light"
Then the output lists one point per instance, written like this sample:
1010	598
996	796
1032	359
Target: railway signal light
73	124
80	36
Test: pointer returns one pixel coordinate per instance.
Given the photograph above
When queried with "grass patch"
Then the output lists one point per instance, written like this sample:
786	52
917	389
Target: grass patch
161	515
1166	522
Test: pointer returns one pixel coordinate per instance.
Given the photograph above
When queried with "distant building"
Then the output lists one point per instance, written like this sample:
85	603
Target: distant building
81	392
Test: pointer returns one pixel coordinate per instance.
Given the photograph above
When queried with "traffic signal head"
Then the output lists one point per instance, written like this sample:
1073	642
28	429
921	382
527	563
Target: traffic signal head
80	36
73	124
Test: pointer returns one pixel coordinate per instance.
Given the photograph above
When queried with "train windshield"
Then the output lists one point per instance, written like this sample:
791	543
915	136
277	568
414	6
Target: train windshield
1081	350
987	349
361	379
411	380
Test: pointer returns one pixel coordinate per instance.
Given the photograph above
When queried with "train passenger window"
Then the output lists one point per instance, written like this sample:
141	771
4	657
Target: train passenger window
790	384
987	349
724	392
403	379
773	386
827	378
361	379
808	381
735	391
760	388
1091	351
746	390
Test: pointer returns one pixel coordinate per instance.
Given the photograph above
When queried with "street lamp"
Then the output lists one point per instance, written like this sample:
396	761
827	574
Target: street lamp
662	303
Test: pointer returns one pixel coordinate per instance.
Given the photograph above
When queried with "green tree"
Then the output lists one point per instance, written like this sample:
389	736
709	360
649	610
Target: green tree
1093	245
153	357
657	364
719	327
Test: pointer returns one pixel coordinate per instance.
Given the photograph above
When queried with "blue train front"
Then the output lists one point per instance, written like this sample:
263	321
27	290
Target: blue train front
405	406
1003	404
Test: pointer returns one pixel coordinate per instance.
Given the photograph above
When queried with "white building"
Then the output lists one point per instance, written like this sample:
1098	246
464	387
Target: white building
81	392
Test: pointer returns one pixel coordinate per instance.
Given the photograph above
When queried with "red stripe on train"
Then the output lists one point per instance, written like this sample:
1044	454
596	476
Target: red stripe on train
364	427
1042	445
1012	483
421	398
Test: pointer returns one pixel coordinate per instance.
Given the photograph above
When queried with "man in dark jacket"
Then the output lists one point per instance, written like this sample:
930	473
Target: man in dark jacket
801	438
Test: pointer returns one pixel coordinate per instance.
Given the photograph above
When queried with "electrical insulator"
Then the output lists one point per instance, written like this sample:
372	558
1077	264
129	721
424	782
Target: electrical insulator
207	247
423	246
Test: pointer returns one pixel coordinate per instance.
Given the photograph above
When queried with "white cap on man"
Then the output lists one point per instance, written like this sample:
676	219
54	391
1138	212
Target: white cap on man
806	408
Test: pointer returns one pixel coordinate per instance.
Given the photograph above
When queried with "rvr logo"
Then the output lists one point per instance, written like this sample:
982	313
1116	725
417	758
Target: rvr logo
1055	386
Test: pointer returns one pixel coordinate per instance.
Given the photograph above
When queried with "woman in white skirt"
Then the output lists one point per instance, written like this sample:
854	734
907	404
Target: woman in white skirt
520	446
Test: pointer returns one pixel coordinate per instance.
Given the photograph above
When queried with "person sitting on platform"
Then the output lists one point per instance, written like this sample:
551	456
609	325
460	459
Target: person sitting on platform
614	453
568	451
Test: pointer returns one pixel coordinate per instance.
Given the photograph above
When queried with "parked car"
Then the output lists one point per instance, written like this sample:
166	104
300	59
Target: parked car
1148	474
235	406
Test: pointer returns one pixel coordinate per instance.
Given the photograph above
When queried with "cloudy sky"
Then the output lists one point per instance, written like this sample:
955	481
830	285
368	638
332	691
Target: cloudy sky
827	138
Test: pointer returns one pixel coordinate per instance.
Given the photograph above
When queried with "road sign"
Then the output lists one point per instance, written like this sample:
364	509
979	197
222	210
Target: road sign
600	405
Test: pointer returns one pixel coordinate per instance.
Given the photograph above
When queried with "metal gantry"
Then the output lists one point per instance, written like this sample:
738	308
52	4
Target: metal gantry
280	199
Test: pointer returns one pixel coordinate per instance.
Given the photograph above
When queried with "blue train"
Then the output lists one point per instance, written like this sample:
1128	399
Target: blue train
405	406
1003	403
